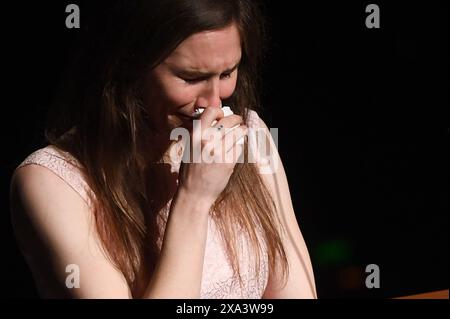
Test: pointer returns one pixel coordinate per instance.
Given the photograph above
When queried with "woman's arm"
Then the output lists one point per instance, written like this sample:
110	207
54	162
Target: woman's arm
179	271
55	228
300	282
60	225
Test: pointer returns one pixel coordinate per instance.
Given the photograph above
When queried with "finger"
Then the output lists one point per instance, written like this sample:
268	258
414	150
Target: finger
217	143
218	147
230	121
213	135
235	137
220	129
210	115
212	144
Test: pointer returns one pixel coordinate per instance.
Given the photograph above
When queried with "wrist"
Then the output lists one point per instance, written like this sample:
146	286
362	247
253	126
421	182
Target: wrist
191	203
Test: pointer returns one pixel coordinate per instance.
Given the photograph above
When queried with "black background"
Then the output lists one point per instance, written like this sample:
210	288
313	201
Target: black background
363	133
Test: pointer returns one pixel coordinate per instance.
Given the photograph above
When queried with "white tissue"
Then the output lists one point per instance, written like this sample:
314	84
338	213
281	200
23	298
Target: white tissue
225	109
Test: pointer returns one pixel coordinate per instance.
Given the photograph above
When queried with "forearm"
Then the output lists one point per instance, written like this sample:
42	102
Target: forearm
178	272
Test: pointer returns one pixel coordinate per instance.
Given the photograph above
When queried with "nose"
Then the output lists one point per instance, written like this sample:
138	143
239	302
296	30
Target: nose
210	94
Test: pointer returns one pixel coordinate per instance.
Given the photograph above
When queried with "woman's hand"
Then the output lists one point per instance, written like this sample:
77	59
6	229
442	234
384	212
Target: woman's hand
218	150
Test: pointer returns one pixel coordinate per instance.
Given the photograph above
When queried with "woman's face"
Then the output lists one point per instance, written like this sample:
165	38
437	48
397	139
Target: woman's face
201	72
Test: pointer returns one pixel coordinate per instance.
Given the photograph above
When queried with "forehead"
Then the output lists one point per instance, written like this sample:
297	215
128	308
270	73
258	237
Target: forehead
208	50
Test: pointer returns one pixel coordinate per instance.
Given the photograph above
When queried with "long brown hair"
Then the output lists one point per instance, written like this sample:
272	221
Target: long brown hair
102	121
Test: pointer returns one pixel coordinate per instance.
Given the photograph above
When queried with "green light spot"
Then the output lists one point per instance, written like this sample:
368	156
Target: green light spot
332	253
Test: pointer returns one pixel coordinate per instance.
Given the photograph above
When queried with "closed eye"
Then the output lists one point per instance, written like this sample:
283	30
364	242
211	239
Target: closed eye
192	81
225	76
197	80
193	76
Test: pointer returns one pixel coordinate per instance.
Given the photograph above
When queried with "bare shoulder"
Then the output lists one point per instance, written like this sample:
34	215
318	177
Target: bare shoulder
28	179
55	229
45	210
36	190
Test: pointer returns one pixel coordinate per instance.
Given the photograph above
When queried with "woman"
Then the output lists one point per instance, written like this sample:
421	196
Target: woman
105	199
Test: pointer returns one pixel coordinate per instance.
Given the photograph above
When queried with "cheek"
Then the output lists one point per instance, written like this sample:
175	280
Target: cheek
169	91
178	94
175	93
227	88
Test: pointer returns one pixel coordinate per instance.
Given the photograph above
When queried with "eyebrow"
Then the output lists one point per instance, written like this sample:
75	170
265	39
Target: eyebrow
198	73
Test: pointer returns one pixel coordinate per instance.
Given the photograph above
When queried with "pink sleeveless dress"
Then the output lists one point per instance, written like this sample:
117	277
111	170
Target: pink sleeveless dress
218	281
